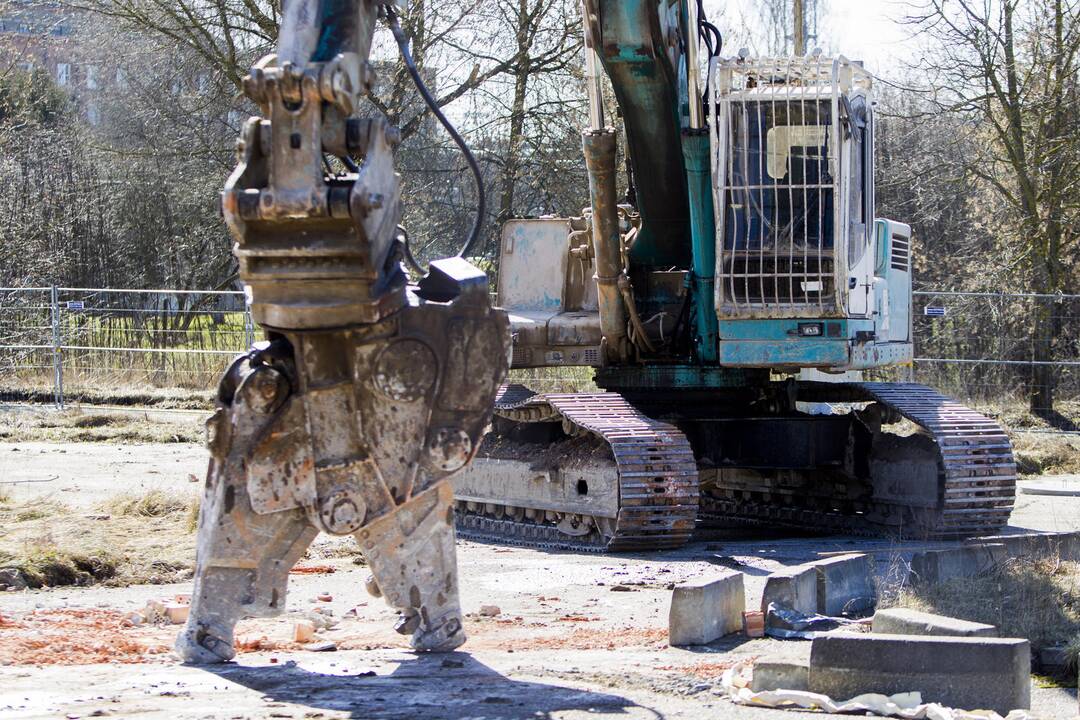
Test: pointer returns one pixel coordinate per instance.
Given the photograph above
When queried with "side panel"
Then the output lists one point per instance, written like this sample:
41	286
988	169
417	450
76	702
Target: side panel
532	264
895	263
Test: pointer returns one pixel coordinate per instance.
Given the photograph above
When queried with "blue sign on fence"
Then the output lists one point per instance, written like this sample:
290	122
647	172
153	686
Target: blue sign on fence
75	305
934	311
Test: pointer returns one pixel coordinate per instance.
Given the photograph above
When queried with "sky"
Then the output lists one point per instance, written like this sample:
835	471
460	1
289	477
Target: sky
868	30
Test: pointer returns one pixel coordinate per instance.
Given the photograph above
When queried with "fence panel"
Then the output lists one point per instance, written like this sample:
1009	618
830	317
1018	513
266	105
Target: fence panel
86	343
27	347
93	344
998	347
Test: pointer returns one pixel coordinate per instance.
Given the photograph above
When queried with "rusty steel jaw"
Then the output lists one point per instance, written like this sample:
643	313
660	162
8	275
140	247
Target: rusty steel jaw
346	432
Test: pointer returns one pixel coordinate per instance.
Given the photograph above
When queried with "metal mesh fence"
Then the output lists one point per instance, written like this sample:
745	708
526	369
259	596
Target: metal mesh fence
82	342
89	344
998	347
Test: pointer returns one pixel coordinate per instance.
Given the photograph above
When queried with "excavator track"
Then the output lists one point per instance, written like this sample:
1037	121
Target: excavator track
976	476
657	477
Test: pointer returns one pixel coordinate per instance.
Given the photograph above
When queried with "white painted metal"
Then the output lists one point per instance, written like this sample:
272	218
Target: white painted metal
783	164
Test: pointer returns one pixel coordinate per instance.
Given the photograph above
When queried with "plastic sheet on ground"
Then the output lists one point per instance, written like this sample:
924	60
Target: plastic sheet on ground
789	624
909	705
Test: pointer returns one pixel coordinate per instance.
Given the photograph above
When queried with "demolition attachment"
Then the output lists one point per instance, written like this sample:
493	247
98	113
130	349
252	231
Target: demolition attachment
366	394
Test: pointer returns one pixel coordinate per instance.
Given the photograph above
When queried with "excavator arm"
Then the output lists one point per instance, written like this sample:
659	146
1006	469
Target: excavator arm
366	393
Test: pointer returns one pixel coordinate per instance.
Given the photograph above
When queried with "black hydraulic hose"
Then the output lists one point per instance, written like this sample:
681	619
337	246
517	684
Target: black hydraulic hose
410	65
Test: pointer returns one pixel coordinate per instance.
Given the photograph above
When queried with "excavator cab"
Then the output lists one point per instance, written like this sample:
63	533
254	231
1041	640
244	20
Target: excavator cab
801	273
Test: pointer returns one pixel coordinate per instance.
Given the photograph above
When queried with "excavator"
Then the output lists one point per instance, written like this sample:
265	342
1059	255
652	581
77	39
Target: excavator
729	305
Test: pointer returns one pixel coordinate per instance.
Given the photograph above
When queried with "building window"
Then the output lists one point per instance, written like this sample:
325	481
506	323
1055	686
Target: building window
27	67
63	74
121	79
92	115
91	77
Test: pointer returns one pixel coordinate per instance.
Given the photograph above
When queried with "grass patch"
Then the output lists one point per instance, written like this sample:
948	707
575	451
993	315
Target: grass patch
1046	454
1037	599
78	426
143	538
54	567
151	504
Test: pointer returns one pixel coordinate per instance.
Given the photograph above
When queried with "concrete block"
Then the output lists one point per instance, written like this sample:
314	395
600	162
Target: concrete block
793	587
1054	660
967	673
780	675
845	585
177	613
901	621
934	566
706	610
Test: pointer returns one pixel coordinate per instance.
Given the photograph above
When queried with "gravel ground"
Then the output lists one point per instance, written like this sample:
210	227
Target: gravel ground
577	636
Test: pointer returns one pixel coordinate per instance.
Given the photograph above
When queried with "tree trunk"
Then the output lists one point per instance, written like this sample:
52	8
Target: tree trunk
509	174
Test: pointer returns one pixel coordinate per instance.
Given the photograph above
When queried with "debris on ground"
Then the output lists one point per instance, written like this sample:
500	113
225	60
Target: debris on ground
303	631
785	623
313	570
490	611
754	623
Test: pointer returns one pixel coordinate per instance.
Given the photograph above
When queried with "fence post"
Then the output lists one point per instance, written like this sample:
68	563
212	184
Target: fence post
249	325
58	360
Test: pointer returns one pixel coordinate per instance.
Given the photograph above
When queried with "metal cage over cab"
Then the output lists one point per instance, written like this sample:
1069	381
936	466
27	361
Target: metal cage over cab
792	172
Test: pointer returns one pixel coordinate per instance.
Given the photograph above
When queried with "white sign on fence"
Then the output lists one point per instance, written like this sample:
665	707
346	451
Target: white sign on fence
75	305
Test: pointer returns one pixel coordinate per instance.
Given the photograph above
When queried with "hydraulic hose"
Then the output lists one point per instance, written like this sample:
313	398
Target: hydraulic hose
410	65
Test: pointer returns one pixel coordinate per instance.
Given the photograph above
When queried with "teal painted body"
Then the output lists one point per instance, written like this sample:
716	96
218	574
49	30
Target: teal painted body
843	344
695	147
635	59
673	176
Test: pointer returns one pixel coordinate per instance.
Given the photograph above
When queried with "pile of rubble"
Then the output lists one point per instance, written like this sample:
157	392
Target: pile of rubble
892	662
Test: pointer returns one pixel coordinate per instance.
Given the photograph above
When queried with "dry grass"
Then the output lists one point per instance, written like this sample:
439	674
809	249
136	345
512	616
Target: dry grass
139	539
151	504
1046	454
1037	599
105	390
78	426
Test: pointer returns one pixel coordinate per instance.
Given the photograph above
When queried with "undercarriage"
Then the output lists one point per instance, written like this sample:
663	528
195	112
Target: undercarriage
644	470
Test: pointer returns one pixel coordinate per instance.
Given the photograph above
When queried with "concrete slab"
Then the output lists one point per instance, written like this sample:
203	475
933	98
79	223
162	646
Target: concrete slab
902	621
1065	545
1054	485
936	566
845	584
780	675
965	673
705	610
793	587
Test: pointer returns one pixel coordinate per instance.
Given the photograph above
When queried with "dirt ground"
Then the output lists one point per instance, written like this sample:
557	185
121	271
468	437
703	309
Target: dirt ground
577	635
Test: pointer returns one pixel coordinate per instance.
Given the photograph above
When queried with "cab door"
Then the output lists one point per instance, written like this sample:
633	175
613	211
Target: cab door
859	206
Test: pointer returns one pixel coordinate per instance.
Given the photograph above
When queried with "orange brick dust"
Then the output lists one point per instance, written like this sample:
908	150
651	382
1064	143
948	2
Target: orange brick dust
79	637
88	636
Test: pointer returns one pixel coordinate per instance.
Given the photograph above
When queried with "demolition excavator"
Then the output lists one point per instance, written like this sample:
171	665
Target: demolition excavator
367	393
727	304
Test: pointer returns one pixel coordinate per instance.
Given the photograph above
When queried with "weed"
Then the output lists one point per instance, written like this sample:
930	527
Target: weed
1037	599
152	504
51	566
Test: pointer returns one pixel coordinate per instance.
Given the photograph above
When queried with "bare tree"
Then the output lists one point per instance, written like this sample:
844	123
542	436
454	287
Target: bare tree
1010	69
